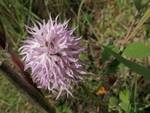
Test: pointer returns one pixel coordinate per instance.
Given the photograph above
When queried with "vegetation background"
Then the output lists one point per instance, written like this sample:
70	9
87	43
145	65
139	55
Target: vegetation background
116	34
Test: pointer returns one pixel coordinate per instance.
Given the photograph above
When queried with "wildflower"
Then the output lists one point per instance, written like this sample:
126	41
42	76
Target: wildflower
52	53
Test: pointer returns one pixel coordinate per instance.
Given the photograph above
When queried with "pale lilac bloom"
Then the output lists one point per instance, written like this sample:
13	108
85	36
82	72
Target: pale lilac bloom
52	53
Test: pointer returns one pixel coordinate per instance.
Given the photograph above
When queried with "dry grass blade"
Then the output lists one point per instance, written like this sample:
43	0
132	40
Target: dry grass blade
138	26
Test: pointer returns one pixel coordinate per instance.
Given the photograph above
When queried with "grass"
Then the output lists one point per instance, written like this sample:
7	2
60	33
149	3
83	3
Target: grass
12	101
113	23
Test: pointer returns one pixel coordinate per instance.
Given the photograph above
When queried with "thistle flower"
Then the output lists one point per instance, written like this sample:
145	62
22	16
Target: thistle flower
52	53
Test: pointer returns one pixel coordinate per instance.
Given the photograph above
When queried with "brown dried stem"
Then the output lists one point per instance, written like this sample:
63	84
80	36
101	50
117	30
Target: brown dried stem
29	89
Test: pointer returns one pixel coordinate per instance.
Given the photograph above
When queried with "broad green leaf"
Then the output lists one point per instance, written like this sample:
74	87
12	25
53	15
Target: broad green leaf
137	50
124	96
132	65
126	107
125	100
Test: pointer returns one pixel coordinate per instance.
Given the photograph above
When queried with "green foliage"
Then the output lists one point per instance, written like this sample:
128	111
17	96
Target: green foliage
124	96
63	109
137	50
113	103
100	22
11	101
132	65
141	3
105	55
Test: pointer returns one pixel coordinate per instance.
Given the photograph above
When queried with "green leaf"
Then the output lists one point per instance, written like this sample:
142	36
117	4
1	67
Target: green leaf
145	2
113	101
124	96
105	55
125	100
126	107
137	50
132	65
63	109
139	4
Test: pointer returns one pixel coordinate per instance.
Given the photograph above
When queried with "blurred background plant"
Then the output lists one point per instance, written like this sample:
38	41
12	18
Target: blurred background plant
116	34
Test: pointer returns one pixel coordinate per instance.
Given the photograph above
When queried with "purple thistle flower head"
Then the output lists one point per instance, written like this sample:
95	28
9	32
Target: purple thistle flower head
52	53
